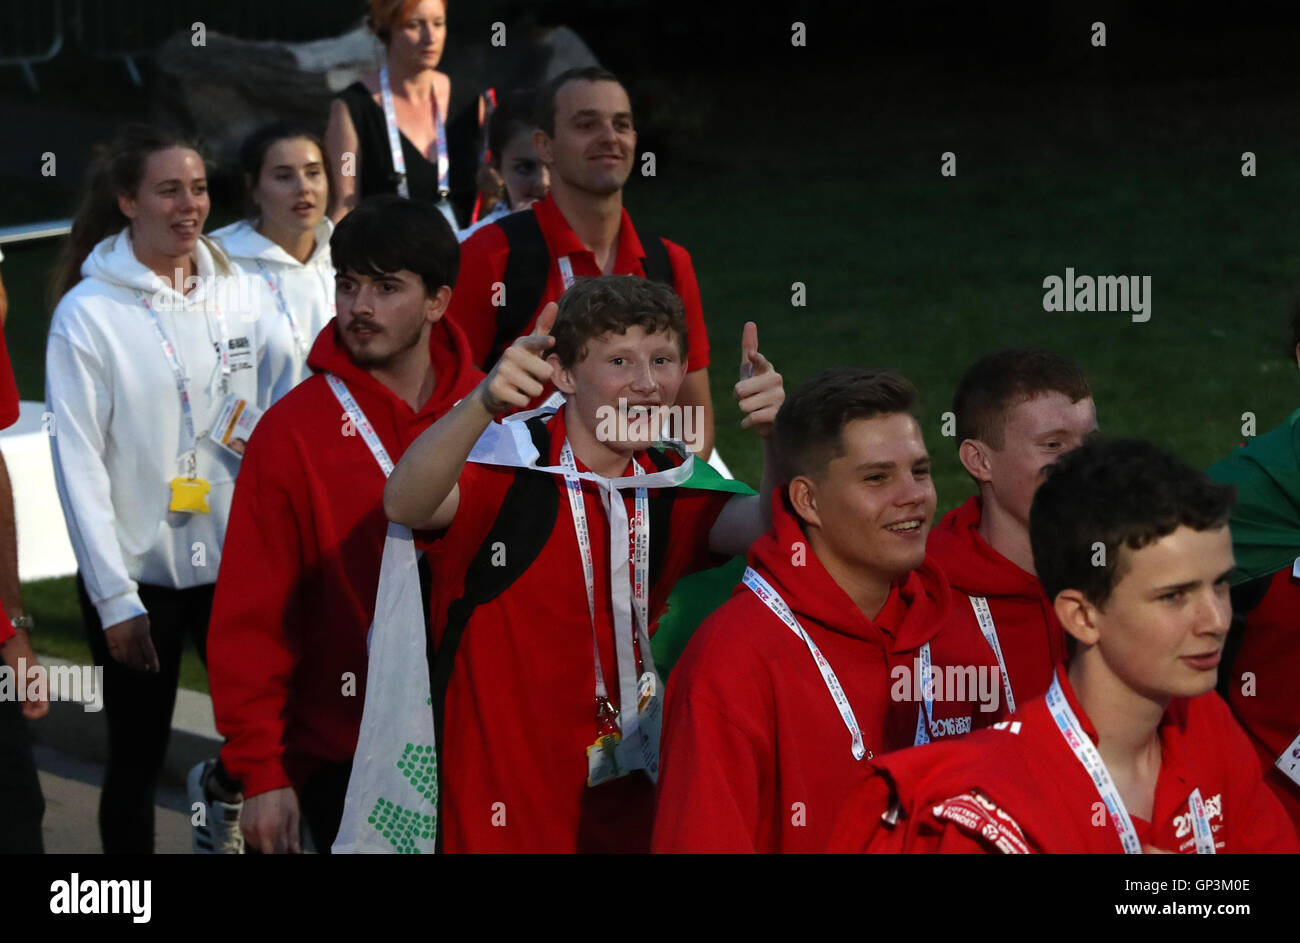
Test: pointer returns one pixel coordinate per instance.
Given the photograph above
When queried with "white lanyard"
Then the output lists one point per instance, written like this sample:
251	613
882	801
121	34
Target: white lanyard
190	441
772	599
566	271
277	289
349	404
395	141
984	616
1086	753
925	718
619	581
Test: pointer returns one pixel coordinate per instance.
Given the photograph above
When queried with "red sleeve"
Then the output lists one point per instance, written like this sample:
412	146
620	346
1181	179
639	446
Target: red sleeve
482	265
709	775
250	656
1259	823
697	356
6	630
8	388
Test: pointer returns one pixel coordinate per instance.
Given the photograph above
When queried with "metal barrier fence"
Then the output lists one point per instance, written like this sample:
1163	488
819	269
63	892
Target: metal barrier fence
34	31
33	232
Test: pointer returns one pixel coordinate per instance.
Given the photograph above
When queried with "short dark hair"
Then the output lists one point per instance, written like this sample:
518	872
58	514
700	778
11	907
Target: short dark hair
386	233
513	113
610	304
809	428
1117	493
1005	378
545	112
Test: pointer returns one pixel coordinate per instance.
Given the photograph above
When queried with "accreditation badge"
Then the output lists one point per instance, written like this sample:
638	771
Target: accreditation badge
602	764
641	751
234	424
1289	761
190	495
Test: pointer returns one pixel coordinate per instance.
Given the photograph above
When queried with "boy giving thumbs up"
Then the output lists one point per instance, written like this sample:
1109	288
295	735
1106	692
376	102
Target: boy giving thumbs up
558	535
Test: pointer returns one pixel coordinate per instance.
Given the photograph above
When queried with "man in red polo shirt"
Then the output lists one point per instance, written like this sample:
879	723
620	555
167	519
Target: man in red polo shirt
588	143
1017	411
1131	750
811	668
296	593
551	704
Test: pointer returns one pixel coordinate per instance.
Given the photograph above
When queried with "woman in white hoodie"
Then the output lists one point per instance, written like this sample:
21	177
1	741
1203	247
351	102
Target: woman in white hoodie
285	246
151	352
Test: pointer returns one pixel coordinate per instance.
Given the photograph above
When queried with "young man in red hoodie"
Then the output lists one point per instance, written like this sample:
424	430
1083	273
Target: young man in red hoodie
815	664
1138	750
1016	411
549	705
296	592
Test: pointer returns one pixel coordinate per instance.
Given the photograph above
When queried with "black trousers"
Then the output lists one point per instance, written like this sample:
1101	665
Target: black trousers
22	806
138	708
321	803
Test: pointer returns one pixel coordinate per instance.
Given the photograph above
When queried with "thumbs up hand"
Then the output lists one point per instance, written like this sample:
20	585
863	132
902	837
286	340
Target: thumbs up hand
760	391
521	375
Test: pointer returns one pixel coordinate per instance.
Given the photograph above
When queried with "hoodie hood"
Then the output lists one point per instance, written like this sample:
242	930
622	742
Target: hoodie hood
970	563
913	615
114	262
242	241
454	371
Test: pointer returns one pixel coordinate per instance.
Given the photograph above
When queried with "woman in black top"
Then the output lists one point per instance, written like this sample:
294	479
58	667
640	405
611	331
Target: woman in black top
431	123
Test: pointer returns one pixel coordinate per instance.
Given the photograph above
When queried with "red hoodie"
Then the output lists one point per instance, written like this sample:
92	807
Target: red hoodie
8	416
296	591
1269	707
755	754
1031	637
985	793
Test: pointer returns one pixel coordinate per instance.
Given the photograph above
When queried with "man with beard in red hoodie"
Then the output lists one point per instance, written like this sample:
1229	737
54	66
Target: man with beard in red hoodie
815	664
296	592
1016	411
1140	753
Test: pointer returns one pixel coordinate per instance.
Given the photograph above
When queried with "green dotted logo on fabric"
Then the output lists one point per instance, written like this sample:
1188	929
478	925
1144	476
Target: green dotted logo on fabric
402	826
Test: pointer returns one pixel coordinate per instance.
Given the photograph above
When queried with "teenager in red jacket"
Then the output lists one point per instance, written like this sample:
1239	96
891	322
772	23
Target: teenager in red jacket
512	268
296	591
550	714
1017	411
815	664
1131	749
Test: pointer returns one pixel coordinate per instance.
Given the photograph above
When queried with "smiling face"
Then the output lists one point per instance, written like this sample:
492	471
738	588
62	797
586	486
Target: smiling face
293	188
383	317
525	176
418	41
1036	433
1163	626
873	507
169	208
595	143
642	369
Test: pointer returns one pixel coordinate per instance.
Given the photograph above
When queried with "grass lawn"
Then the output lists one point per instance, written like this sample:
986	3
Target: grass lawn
909	269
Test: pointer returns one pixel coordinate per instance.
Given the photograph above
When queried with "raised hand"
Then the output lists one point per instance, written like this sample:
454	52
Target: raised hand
522	373
760	391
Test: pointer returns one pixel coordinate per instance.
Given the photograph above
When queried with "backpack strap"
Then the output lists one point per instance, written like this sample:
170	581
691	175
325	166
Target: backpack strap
523	526
527	267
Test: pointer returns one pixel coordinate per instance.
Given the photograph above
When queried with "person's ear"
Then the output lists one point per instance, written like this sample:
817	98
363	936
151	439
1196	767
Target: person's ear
127	205
561	375
802	492
1078	616
436	307
975	458
542	142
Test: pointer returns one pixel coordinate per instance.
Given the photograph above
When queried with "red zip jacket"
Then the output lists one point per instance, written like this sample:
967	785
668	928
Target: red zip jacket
296	591
1269	708
520	703
483	260
9	409
1032	640
987	792
755	754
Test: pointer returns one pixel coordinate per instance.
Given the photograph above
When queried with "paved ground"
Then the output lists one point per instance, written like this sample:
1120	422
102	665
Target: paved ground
71	788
